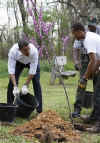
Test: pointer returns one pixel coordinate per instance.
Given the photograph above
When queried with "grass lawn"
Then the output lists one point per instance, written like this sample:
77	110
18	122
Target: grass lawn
53	98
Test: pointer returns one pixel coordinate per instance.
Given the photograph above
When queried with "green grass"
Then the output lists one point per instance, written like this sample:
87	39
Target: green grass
3	68
53	98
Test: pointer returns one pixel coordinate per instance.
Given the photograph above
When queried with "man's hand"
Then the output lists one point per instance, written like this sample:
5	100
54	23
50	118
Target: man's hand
82	83
24	89
29	78
77	67
15	91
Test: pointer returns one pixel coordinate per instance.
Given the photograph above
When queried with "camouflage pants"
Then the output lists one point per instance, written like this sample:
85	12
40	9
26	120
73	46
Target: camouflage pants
96	108
96	86
80	92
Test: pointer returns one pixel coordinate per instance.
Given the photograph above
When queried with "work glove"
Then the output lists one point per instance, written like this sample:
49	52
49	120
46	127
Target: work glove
15	91
82	83
24	90
77	67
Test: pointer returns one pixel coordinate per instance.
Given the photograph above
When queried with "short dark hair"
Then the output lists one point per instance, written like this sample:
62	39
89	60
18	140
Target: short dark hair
22	43
77	27
92	28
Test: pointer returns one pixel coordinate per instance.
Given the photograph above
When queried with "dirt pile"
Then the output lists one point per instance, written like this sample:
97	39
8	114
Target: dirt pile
47	127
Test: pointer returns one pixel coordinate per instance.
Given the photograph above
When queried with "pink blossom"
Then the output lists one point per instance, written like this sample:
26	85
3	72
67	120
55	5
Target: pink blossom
41	28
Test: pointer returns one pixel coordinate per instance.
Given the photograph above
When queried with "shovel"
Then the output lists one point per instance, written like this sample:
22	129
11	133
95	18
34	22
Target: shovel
15	96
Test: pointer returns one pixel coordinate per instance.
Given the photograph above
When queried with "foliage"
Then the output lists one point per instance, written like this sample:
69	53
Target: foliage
44	67
42	28
61	13
3	69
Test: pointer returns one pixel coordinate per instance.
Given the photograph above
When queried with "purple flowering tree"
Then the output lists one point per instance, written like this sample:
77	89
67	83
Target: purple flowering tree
42	37
65	41
41	28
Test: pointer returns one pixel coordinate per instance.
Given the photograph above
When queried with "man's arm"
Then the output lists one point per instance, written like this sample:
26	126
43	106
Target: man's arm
12	77
33	67
11	71
29	78
24	89
91	66
11	67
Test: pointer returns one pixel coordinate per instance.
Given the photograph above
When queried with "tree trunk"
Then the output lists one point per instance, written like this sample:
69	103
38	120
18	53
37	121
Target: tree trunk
23	15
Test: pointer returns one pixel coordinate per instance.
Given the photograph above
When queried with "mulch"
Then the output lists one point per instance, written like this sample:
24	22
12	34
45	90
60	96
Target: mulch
47	127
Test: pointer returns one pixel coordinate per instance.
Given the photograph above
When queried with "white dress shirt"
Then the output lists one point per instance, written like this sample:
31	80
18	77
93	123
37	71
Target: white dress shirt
16	55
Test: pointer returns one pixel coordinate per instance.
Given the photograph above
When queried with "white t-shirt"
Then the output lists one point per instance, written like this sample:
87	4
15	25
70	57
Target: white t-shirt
92	43
15	55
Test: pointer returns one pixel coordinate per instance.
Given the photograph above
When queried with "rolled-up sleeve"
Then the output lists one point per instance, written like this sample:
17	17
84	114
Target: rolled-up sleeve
11	63
34	63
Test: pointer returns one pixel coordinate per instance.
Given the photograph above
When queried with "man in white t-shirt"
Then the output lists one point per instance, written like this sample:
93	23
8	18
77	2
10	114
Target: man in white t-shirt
81	60
91	43
23	55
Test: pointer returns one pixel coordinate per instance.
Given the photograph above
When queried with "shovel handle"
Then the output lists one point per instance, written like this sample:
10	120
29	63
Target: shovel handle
15	96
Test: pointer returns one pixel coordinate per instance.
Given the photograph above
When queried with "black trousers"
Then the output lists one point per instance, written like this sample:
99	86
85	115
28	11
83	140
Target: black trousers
96	88
35	82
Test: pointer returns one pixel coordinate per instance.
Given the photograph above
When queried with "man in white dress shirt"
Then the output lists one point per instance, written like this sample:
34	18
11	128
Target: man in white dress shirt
24	55
91	43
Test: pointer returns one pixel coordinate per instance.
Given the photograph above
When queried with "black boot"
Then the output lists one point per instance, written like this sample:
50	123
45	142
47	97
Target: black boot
76	113
92	118
95	128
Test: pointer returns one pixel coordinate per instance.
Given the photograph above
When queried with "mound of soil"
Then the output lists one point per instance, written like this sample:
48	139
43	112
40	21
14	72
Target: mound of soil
47	127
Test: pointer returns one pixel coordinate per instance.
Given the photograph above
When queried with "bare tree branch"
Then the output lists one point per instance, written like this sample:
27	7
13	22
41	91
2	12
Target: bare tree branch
69	4
58	1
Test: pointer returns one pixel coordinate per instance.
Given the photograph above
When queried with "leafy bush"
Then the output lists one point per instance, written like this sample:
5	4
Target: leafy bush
69	66
44	67
3	68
